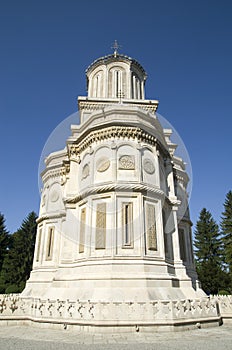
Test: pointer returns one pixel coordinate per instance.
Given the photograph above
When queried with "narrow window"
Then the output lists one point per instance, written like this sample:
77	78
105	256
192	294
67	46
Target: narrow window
138	89
127	219
132	86
165	234
151	236
182	244
100	236
116	84
38	244
127	236
97	86
50	243
82	231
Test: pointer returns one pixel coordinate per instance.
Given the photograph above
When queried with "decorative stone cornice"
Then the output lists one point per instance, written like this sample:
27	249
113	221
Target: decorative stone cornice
115	132
52	173
95	105
61	171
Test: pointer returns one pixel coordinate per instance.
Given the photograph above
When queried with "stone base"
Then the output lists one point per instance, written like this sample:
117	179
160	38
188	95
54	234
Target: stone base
114	281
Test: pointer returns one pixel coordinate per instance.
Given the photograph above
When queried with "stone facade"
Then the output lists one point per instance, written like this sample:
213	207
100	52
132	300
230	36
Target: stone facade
114	245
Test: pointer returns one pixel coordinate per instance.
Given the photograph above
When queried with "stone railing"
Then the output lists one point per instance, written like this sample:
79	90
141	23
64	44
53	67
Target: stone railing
155	313
225	306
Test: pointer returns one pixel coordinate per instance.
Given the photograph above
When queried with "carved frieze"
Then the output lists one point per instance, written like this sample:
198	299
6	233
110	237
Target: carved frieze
91	106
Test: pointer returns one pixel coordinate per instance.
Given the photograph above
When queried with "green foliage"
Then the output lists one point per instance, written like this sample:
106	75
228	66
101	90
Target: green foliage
209	254
4	240
207	238
18	261
12	289
223	292
226	228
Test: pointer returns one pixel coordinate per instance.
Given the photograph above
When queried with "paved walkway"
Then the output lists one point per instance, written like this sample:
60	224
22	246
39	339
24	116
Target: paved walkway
33	338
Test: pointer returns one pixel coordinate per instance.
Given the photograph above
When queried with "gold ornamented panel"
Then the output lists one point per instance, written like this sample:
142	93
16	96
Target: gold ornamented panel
82	231
100	238
127	224
151	235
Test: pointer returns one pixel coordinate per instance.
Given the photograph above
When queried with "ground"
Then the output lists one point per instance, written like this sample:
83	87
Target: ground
25	338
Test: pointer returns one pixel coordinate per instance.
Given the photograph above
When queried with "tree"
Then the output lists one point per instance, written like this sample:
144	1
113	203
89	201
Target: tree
226	228
209	253
17	264
4	240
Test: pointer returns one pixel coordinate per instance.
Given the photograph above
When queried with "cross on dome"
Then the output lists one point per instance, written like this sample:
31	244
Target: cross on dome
116	47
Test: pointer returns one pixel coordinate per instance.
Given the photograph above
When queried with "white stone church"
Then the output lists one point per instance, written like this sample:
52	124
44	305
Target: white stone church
114	245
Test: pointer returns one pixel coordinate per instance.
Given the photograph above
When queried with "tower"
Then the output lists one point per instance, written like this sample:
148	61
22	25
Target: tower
114	232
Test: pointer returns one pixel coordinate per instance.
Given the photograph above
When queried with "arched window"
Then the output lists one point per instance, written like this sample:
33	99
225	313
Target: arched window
136	87
117	83
97	85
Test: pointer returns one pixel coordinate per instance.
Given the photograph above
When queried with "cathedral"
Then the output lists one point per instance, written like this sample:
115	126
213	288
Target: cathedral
113	222
114	243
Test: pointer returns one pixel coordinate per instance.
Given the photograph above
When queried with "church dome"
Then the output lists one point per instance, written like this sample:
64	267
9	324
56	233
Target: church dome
116	76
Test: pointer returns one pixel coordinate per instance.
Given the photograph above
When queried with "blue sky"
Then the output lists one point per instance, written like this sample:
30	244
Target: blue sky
45	47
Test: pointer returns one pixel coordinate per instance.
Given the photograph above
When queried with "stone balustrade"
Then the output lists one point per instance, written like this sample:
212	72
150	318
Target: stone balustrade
13	307
224	303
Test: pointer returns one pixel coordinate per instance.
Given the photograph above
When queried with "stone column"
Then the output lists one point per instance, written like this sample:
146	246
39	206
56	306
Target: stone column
170	179
142	90
175	237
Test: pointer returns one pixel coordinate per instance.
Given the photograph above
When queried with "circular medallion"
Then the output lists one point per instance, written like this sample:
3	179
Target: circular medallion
103	164
148	166
54	196
85	171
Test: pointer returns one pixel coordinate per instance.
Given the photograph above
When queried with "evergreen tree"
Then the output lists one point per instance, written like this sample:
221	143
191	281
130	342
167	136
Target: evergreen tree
4	240
209	253
226	227
17	264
